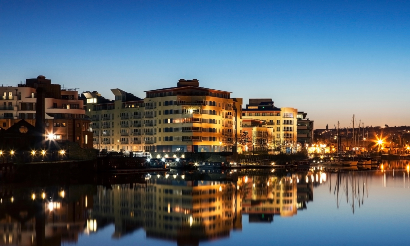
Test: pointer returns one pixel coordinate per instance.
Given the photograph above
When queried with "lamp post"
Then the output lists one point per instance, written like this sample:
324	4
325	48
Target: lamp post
62	153
380	142
33	154
11	155
43	153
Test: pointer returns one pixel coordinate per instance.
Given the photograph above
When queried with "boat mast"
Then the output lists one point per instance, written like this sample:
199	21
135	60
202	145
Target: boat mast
338	140
354	140
358	134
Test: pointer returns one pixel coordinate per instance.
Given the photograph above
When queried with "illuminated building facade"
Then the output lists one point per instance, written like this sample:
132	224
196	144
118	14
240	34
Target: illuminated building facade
190	118
185	118
118	125
64	115
282	121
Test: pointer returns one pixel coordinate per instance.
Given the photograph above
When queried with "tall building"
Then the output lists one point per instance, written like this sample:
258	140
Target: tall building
185	118
282	121
59	112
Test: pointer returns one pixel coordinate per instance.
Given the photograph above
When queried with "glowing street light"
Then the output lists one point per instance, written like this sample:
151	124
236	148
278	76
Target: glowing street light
51	136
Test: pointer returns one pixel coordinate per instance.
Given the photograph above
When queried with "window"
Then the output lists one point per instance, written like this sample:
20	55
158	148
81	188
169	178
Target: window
287	115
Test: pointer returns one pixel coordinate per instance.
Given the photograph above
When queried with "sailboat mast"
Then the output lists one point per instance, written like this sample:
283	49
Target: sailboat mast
354	140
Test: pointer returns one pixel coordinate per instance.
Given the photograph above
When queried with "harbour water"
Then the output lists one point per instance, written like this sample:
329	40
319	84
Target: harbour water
259	207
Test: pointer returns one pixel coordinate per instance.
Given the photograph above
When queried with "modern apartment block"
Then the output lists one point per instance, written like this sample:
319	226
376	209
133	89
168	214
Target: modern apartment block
305	129
61	110
185	118
117	124
282	121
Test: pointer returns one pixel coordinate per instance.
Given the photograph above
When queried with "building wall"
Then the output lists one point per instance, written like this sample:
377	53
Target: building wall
65	116
168	120
283	123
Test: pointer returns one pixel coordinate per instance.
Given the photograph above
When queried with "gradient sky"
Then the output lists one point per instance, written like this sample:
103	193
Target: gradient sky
331	59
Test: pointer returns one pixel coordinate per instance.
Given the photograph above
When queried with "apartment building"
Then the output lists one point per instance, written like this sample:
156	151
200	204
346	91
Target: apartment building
190	118
117	124
185	118
61	111
305	129
281	121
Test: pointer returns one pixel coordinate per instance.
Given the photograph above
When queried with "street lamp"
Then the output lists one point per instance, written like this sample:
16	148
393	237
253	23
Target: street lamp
43	153
62	153
380	143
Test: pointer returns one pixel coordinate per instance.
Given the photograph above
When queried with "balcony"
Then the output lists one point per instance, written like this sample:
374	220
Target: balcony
149	133
150	107
124	126
7	97
106	126
105	142
125	117
136	134
149	141
302	127
150	124
6	107
191	103
136	125
136	116
105	118
125	134
149	116
124	142
136	142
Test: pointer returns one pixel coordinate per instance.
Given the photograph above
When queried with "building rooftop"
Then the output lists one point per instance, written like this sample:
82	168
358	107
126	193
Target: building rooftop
185	84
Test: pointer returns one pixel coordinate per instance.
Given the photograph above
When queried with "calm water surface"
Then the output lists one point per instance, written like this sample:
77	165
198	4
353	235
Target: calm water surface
244	207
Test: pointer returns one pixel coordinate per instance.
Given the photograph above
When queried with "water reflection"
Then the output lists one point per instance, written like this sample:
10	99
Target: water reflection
184	208
193	207
43	216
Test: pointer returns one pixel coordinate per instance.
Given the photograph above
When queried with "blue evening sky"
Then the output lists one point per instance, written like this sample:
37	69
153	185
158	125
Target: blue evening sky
331	59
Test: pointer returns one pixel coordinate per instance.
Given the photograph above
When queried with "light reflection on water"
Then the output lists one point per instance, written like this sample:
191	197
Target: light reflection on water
244	207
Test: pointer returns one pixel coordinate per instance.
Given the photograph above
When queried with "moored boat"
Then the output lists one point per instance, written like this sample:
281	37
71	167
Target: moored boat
210	165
